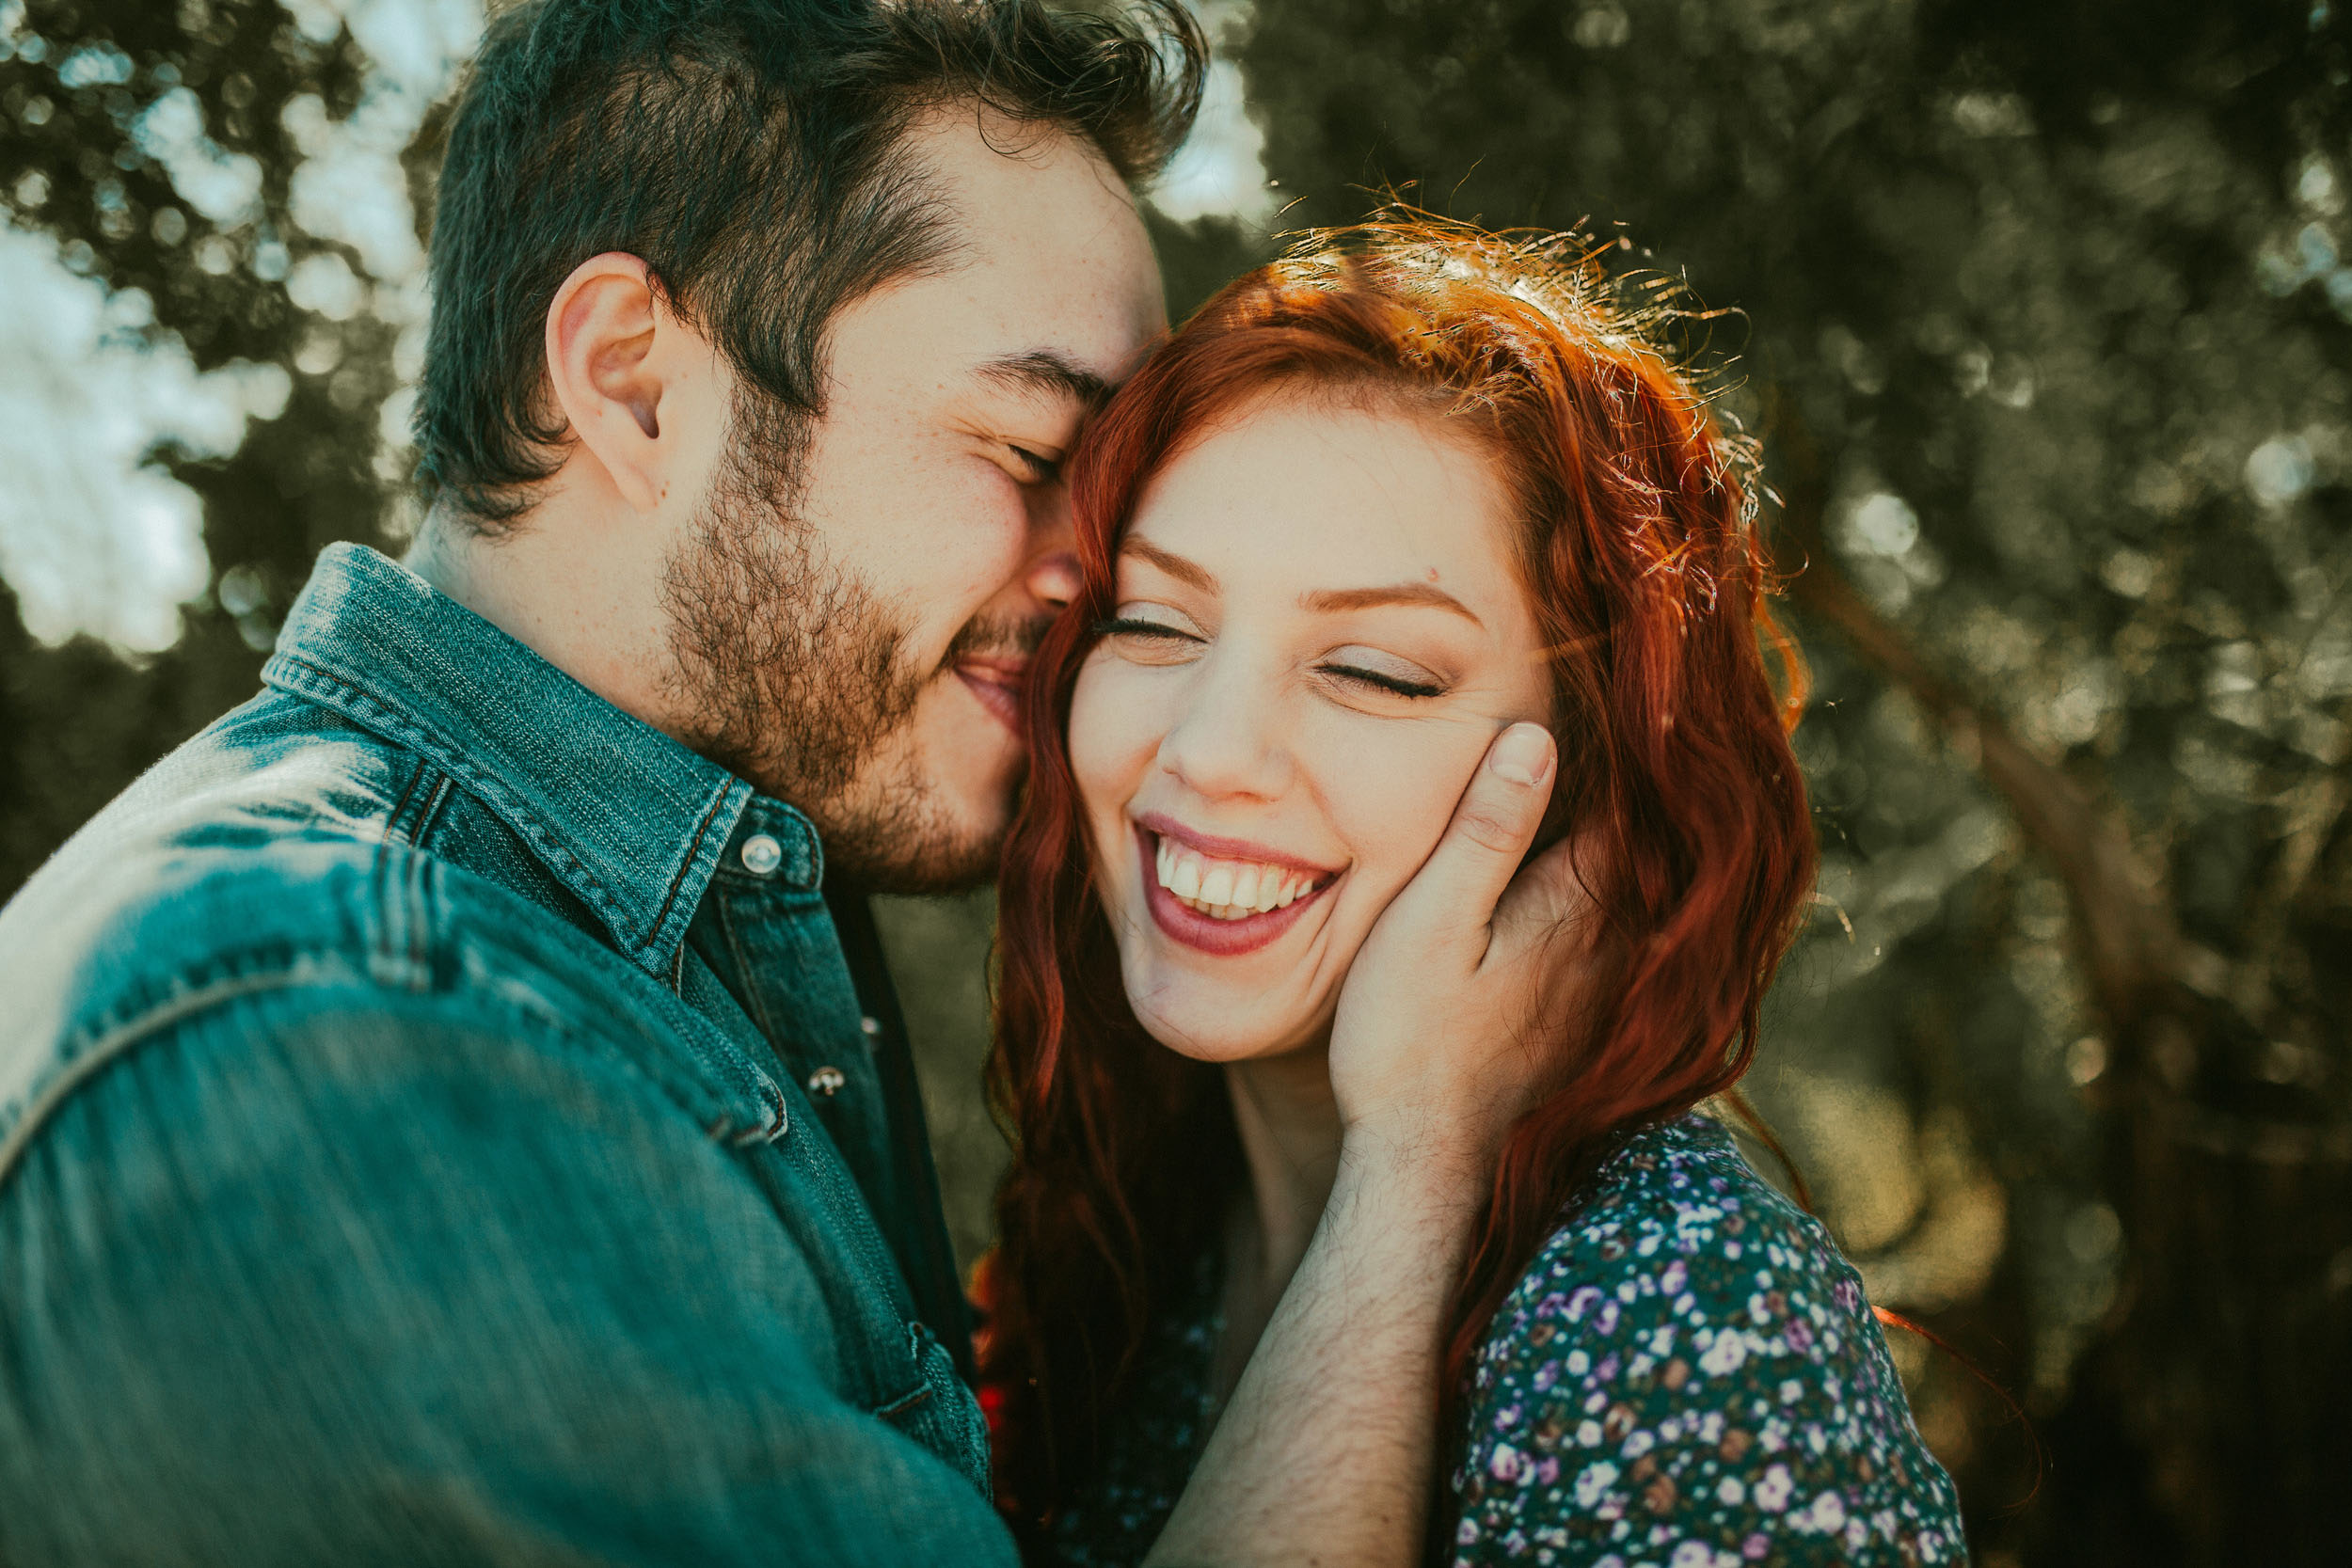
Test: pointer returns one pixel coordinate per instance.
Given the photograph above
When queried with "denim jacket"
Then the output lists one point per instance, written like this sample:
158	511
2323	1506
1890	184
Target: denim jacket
442	1119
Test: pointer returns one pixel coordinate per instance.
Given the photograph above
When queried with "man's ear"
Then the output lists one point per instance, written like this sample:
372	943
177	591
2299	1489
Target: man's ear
611	347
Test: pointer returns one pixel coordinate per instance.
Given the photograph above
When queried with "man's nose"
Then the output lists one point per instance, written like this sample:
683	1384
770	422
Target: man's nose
1052	575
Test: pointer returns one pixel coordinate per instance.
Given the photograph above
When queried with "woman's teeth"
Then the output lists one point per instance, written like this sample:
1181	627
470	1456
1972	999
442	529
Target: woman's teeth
1228	890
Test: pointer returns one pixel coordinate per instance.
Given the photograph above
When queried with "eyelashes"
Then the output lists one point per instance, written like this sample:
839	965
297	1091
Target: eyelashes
1385	683
1043	470
1127	626
1167	635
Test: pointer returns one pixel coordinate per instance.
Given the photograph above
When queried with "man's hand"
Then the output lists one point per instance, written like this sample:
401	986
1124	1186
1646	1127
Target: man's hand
1463	1001
1459	1010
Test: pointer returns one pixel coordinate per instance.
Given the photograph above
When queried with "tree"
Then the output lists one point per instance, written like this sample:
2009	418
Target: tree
208	164
2039	309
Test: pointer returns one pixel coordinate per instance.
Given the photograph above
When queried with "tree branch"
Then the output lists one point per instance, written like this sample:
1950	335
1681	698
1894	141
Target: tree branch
2131	944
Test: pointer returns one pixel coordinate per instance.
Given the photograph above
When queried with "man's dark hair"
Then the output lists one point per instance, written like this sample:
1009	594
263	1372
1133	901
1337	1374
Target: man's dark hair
751	153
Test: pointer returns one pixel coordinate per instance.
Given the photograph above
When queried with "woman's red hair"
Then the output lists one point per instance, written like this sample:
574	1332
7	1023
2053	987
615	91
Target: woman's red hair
1639	554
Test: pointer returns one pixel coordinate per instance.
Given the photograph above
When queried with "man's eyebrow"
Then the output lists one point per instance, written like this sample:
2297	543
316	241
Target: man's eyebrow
1332	600
1051	373
1174	566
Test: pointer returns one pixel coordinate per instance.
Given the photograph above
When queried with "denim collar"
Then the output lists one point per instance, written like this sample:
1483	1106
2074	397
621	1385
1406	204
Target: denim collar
629	819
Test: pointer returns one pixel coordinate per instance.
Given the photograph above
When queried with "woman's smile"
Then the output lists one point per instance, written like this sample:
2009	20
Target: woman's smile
1221	896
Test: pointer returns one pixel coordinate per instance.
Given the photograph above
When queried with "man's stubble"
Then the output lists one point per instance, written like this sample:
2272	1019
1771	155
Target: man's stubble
794	676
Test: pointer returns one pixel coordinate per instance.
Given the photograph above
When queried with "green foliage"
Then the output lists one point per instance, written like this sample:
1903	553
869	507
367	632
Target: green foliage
80	723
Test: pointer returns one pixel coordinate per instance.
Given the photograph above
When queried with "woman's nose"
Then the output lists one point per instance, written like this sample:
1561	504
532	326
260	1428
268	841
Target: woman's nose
1228	742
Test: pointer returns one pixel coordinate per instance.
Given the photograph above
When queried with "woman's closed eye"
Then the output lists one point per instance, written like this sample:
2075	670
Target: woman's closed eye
1369	668
1147	640
1143	637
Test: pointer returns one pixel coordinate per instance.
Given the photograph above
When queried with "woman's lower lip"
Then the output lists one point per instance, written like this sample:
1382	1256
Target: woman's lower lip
995	696
1223	938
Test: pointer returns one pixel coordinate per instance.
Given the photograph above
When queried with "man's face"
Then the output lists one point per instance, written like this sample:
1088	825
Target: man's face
852	633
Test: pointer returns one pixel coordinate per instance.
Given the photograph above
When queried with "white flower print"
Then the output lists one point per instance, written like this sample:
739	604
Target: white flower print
1686	1355
1724	1355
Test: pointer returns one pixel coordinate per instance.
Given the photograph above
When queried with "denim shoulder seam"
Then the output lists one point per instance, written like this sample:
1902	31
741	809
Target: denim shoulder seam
427	790
117	1042
330	690
401	880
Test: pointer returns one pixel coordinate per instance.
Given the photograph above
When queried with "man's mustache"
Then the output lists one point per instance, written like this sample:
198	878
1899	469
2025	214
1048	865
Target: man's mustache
998	636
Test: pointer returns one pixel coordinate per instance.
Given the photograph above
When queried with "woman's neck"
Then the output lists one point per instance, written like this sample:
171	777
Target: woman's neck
1289	1125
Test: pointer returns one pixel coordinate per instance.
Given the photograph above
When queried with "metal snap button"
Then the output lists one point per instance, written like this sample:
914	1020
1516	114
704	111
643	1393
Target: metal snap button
762	854
871	1025
827	1081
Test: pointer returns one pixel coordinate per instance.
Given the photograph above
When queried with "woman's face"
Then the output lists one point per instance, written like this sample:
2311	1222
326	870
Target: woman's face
1320	629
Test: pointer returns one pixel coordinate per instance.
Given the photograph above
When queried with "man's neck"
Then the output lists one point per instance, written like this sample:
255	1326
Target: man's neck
553	583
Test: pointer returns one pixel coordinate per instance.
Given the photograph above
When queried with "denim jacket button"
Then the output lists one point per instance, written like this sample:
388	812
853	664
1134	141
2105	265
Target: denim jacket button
762	854
827	1081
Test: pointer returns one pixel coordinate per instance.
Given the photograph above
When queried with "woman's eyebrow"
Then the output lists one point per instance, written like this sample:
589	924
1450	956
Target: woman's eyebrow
1176	566
1332	600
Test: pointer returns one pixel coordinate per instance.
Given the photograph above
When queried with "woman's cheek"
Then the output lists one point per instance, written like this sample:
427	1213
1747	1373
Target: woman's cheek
1112	734
1392	792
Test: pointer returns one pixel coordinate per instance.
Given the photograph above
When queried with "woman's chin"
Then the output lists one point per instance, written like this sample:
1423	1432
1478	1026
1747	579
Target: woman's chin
1241	1010
1219	1035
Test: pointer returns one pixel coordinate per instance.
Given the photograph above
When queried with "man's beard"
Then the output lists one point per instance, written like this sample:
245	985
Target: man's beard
794	676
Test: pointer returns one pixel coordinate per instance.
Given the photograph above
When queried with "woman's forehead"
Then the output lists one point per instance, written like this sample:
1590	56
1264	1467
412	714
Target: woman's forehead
1343	494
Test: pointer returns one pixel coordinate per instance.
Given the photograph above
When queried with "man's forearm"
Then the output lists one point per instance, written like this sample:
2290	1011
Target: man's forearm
1327	1452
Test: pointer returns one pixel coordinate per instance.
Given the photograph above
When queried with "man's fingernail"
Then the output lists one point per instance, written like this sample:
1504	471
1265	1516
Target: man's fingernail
1523	755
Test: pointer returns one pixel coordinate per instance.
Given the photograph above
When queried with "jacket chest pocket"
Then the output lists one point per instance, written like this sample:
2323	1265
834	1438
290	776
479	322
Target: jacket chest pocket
936	1410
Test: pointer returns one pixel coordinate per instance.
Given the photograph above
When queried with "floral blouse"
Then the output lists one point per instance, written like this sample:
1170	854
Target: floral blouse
1687	1376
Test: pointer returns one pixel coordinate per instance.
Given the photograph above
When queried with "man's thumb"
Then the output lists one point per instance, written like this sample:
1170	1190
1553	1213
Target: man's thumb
1462	879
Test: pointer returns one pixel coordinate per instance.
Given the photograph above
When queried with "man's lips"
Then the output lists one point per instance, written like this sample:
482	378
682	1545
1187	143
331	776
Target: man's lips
1205	933
996	682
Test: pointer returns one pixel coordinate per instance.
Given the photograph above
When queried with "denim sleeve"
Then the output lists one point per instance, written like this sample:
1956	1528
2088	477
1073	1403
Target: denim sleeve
303	1282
